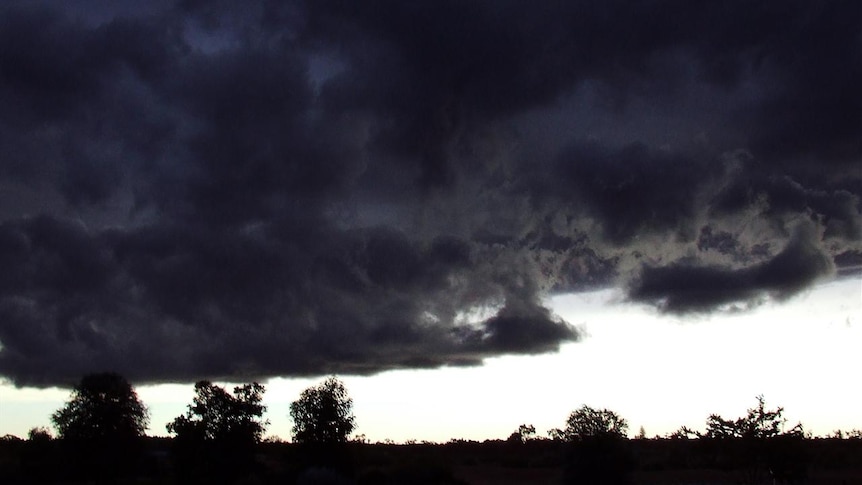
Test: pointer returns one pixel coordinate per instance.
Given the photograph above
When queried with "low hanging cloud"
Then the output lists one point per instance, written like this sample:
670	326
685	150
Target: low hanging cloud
687	286
196	190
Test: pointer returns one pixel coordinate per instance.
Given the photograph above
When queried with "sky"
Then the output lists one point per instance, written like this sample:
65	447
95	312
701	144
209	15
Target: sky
438	199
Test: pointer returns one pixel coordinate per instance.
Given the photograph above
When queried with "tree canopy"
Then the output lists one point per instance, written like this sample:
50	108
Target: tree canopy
759	446
103	407
323	414
217	415
524	433
597	451
586	422
758	422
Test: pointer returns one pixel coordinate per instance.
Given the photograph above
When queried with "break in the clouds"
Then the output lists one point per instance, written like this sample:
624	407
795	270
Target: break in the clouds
212	190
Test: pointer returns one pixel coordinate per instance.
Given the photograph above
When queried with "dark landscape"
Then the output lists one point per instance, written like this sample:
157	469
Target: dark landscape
219	441
657	461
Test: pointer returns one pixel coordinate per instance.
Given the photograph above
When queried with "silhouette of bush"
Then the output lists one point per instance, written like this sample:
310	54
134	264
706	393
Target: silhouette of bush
39	435
12	459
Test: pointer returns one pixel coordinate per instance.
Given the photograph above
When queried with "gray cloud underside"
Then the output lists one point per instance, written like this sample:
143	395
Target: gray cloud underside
201	190
682	287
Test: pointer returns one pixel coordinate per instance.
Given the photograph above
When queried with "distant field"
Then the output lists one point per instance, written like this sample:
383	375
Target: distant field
656	462
497	475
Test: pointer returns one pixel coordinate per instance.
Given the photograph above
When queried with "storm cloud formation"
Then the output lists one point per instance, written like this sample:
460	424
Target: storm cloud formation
220	190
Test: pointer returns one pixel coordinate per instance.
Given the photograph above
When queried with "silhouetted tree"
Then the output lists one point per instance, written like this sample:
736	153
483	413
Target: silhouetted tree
103	407
683	433
39	435
758	423
215	439
758	444
322	422
323	414
587	422
597	451
101	426
216	415
41	461
524	433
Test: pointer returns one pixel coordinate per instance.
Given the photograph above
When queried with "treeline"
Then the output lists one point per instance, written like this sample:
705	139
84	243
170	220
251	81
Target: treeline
101	435
219	439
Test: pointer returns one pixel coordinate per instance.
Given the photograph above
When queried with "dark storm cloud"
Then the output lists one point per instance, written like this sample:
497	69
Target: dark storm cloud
688	287
205	190
175	303
837	208
632	190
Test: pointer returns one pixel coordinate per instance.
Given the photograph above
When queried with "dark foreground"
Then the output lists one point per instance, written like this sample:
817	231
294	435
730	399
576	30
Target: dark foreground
635	462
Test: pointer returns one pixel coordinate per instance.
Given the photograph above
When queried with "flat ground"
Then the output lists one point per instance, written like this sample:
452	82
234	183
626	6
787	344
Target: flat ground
496	475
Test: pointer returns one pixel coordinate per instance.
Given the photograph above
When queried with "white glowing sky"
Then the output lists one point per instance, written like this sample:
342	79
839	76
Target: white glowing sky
657	371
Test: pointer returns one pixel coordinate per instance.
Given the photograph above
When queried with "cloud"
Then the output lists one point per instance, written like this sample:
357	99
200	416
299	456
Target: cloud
249	304
632	190
195	190
685	286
